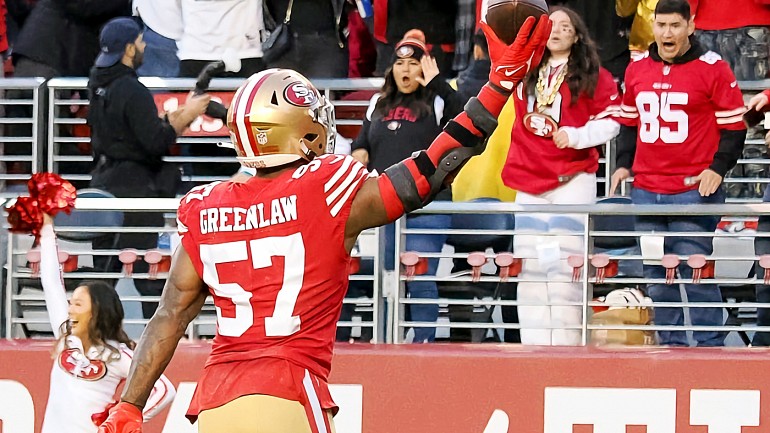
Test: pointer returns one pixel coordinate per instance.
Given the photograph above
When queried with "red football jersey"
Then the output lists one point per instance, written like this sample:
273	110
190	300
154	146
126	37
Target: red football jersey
679	110
272	253
534	163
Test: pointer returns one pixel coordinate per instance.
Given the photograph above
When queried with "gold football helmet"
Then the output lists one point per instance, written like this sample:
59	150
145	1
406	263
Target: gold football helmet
277	116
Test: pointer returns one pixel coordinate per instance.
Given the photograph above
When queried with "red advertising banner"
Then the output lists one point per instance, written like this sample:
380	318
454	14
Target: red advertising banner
478	389
203	126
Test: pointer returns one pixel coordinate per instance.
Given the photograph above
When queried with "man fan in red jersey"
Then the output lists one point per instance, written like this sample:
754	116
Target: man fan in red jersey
683	130
274	251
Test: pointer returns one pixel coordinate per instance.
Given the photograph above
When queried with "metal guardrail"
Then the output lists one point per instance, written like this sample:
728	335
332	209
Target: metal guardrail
392	326
21	122
25	307
76	167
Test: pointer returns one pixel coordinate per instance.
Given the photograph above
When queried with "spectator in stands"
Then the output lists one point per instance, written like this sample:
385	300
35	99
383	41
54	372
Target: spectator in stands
392	18
402	119
319	47
93	352
683	130
642	11
58	38
563	111
130	140
361	49
761	102
220	30
608	30
738	32
471	80
61	38
163	27
212	30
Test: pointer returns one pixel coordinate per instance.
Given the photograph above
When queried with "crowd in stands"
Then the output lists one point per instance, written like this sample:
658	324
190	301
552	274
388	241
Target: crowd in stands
433	56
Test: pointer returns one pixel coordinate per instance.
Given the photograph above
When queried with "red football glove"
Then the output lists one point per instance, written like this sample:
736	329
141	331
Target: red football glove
124	418
511	63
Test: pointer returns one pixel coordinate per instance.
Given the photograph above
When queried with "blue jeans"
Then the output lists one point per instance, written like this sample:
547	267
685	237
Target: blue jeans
683	246
160	59
420	289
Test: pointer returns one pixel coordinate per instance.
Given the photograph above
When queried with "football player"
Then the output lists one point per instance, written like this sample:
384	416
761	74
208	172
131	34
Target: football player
274	251
683	130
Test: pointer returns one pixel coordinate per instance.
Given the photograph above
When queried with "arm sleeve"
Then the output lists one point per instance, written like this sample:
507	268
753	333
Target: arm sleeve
730	149
605	104
727	99
51	279
155	134
628	114
626	147
593	133
453	100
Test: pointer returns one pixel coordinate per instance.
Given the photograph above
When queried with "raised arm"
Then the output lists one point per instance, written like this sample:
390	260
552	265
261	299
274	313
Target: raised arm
182	299
51	277
414	182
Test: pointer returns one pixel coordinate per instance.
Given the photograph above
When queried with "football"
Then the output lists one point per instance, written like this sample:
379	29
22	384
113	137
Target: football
505	17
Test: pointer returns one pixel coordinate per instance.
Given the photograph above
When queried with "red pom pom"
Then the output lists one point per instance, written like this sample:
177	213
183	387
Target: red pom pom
25	216
53	193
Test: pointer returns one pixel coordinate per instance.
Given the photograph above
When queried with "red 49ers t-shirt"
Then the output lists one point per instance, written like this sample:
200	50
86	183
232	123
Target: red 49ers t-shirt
679	110
272	253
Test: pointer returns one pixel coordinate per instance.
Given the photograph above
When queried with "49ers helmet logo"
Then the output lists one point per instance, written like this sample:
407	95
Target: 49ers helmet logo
299	94
75	363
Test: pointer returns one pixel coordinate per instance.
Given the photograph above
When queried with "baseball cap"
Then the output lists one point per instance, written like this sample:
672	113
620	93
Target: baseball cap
115	35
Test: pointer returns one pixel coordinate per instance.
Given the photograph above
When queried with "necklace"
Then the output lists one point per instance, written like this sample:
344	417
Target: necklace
546	93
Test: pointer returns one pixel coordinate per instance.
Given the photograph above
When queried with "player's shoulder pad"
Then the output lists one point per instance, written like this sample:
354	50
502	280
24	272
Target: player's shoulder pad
329	167
710	58
336	177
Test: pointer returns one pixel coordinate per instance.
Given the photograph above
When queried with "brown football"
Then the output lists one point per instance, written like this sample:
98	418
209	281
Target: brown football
505	17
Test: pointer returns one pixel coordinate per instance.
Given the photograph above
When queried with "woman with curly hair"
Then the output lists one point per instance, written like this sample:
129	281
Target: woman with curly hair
562	111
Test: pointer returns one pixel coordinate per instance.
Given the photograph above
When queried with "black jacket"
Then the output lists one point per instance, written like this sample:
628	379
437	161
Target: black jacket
64	34
128	138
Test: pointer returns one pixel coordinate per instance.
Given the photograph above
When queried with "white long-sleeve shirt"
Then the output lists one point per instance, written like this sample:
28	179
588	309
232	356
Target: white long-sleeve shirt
83	384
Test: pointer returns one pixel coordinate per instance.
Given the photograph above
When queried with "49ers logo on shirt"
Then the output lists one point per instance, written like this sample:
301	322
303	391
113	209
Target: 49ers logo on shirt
75	363
298	94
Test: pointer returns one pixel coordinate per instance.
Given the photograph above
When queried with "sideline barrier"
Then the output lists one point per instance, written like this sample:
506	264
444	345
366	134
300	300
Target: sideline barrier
482	389
392	327
24	306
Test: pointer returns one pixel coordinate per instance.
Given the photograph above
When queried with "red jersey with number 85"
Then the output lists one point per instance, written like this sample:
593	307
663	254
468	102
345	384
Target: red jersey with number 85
679	110
272	253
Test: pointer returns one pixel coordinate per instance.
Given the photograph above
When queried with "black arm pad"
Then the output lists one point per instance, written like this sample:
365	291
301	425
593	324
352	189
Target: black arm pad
462	135
482	119
403	181
406	186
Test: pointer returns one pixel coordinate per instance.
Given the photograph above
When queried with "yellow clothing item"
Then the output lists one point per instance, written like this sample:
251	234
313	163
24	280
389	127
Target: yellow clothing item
641	29
481	176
